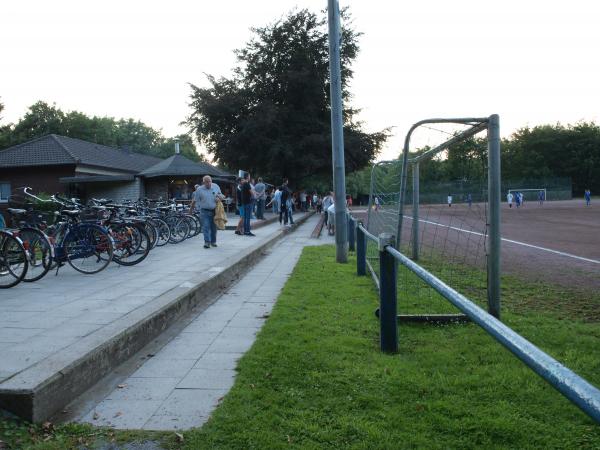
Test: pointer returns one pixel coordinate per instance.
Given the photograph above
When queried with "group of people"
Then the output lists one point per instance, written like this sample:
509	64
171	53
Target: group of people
517	197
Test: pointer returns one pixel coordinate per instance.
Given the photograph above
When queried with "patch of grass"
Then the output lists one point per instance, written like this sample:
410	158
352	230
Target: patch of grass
316	379
18	434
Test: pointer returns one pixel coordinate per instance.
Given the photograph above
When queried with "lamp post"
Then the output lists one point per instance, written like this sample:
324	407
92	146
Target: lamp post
337	132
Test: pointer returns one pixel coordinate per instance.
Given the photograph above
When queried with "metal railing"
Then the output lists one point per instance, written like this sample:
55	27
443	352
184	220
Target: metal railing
572	386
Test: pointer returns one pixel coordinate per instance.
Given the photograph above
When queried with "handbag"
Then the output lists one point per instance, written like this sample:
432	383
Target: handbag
220	216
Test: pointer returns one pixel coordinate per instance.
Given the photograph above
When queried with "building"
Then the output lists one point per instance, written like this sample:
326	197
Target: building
77	168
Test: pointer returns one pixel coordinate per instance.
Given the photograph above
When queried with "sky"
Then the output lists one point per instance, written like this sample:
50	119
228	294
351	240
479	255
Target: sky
531	62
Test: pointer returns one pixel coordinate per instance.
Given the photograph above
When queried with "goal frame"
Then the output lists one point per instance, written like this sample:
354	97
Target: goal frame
512	191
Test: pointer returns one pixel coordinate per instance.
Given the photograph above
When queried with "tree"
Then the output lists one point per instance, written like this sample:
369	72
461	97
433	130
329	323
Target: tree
272	116
42	119
186	148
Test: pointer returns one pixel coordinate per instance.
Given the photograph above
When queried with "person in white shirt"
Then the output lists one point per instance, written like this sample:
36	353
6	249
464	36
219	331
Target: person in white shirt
509	199
449	200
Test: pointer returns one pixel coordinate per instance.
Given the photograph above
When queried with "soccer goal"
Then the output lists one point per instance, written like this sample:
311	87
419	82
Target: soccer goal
529	194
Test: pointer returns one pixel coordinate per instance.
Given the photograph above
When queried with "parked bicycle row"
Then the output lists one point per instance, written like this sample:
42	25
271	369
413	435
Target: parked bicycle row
46	234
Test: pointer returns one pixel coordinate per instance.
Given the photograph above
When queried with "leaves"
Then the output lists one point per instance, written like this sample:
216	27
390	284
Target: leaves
42	119
272	117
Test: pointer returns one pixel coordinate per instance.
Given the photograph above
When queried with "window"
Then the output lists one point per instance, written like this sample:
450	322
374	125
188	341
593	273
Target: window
4	191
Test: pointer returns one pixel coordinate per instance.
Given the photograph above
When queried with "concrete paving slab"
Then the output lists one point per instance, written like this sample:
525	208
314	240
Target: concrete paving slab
217	338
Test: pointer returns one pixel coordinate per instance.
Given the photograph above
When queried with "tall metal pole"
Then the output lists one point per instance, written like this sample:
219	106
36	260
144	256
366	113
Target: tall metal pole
493	265
415	225
337	132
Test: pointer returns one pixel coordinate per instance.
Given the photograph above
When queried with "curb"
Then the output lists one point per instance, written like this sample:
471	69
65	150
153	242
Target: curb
42	390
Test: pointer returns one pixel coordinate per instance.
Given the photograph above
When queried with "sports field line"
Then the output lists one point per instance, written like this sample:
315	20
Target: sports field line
524	244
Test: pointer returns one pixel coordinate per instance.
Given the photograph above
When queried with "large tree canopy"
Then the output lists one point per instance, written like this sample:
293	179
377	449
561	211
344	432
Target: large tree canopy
272	116
42	119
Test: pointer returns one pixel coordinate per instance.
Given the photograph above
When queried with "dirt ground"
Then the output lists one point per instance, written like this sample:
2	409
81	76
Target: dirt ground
563	226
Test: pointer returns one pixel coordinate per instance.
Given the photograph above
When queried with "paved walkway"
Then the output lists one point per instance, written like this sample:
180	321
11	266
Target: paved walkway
45	318
180	384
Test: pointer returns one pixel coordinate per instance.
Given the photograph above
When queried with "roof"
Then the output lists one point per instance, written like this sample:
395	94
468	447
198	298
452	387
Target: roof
96	178
179	165
53	149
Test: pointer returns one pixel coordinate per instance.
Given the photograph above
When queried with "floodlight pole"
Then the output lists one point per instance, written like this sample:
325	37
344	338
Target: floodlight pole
337	132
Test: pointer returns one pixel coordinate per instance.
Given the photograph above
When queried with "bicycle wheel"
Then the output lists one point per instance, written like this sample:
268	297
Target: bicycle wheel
152	233
197	225
89	248
179	229
132	244
191	224
164	231
13	260
39	253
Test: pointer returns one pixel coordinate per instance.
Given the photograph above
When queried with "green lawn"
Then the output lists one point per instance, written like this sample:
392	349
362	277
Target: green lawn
316	379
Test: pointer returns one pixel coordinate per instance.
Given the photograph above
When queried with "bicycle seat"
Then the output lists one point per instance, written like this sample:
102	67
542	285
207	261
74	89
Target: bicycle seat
16	211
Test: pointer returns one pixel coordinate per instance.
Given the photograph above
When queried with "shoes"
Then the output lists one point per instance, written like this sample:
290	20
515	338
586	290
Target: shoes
206	245
238	232
213	244
249	234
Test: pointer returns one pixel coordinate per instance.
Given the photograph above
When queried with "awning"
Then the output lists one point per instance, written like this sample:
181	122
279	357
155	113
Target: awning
96	179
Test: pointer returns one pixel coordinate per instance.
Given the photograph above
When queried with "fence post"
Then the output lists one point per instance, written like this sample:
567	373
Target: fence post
493	263
388	322
351	228
415	223
361	252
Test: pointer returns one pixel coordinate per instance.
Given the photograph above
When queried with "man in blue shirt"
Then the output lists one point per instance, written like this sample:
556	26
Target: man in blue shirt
261	196
204	199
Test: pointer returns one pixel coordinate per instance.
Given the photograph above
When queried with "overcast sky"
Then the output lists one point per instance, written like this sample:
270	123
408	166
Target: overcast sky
531	62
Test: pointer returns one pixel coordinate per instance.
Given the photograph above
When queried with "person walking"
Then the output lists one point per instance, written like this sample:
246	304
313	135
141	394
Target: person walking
276	202
302	201
204	199
315	199
261	196
509	199
248	196
239	230
469	200
449	200
285	201
588	197
377	203
327	202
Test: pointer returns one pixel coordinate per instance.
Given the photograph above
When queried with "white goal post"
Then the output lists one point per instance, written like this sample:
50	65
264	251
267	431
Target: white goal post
533	193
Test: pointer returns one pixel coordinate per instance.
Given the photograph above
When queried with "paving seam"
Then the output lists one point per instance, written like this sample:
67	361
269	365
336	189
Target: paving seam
45	388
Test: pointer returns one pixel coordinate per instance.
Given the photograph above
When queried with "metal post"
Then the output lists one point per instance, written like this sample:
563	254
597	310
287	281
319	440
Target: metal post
351	228
388	322
493	263
337	131
361	252
415	224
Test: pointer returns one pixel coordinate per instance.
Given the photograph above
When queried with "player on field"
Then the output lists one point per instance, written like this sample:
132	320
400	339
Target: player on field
588	197
541	198
509	199
449	200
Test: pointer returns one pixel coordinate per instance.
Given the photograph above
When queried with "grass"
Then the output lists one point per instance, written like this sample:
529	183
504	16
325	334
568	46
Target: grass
316	379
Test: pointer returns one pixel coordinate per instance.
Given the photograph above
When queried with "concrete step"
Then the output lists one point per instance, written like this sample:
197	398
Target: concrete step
42	389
